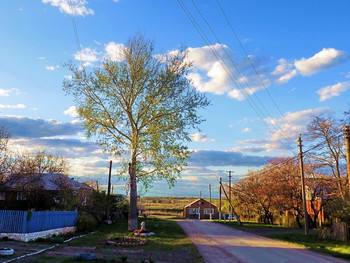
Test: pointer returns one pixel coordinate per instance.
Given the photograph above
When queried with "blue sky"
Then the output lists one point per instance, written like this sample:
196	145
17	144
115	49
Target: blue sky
268	67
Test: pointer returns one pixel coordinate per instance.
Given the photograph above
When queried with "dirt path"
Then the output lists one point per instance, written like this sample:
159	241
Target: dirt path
221	244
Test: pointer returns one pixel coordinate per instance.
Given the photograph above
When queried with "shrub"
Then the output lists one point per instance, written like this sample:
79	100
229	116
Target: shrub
86	222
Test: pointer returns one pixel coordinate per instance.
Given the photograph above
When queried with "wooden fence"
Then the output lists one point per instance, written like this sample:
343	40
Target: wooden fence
35	221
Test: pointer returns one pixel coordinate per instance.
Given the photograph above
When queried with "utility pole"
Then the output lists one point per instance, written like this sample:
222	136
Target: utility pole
347	146
229	193
200	202
210	213
109	178
220	200
306	219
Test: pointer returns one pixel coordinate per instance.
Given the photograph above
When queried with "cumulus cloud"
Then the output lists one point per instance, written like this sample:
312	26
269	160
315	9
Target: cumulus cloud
71	7
71	111
217	70
217	79
87	55
37	128
250	149
114	51
18	106
333	90
51	68
200	137
283	132
7	92
246	130
326	58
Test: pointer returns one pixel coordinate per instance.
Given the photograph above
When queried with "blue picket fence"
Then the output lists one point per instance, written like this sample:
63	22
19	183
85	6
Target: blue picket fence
35	221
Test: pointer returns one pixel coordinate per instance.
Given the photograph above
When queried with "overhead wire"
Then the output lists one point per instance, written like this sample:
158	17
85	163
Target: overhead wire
250	61
236	68
227	69
75	30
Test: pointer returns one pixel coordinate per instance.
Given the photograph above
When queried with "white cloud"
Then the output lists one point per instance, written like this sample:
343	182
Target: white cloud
333	90
71	7
191	178
51	68
87	55
246	130
200	137
42	58
114	51
217	70
283	133
326	58
250	149
204	61
289	127
7	92
18	106
71	111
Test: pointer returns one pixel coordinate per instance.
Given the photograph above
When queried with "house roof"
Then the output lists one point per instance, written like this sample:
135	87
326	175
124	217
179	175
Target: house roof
45	181
199	199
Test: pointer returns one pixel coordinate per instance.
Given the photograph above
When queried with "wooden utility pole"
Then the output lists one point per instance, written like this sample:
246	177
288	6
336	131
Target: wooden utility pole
306	218
231	206
347	146
220	199
229	193
109	178
210	215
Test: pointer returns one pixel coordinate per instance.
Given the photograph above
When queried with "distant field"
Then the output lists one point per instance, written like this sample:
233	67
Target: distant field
167	206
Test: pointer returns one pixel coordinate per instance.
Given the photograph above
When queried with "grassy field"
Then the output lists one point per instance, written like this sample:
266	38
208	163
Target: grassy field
170	244
167	206
164	206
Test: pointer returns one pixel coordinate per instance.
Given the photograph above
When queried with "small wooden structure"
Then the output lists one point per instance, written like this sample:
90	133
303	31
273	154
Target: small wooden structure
201	209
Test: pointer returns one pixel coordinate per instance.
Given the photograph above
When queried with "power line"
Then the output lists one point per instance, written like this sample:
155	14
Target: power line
250	61
236	68
228	70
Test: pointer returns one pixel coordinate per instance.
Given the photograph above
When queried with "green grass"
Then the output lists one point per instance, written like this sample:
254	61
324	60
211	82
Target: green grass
170	239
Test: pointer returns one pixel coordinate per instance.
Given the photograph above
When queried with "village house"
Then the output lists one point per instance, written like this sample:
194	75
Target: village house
41	192
201	209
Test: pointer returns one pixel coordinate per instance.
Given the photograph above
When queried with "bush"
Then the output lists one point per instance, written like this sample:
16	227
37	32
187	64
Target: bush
86	222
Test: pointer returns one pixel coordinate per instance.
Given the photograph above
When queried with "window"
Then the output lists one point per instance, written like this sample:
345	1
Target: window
208	211
21	196
193	211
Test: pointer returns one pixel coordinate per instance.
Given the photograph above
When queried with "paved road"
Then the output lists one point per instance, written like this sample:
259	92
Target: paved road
221	244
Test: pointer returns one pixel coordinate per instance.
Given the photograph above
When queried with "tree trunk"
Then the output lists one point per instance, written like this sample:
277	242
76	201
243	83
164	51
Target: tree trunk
132	221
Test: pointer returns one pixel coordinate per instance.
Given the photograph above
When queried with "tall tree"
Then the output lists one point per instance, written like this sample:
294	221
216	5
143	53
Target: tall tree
327	132
142	104
38	163
4	154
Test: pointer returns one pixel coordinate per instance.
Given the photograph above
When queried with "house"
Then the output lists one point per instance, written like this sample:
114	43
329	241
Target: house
200	209
42	192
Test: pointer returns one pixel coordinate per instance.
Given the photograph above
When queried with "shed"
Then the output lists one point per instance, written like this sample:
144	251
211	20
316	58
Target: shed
200	209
